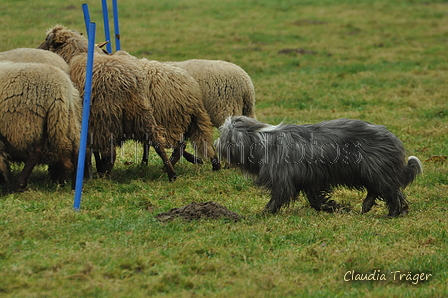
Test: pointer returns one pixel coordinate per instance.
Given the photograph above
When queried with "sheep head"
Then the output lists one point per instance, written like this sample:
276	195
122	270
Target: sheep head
64	42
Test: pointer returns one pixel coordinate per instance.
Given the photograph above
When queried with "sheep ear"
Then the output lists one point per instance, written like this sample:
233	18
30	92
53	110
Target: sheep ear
102	44
50	38
46	44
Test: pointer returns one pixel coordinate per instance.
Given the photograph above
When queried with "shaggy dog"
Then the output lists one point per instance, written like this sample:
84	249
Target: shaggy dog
313	159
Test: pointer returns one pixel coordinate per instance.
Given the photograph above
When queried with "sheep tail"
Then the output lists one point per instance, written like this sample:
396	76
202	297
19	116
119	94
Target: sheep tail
201	135
249	102
413	168
59	120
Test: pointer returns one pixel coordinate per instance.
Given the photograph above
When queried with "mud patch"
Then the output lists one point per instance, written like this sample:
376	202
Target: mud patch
309	22
298	51
196	211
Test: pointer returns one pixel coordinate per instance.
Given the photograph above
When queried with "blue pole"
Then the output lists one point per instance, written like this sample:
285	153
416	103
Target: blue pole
85	118
116	26
106	26
85	10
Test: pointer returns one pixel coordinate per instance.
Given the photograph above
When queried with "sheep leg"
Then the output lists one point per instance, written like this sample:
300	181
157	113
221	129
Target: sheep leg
178	151
192	158
88	171
5	170
57	173
145	154
34	158
174	157
75	155
107	163
98	161
104	163
169	168
216	165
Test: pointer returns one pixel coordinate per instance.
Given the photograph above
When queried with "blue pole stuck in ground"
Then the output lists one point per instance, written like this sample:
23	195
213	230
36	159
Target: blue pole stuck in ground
85	10
106	26
116	26
85	118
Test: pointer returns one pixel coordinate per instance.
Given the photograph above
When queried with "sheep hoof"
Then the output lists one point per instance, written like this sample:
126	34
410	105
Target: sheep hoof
216	166
21	187
227	166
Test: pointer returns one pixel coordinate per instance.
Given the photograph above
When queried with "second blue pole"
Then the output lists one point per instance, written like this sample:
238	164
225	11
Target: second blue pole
116	25
106	26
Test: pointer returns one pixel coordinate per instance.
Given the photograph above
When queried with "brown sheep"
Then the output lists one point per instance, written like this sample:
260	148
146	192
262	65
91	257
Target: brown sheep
187	119
66	43
177	98
118	110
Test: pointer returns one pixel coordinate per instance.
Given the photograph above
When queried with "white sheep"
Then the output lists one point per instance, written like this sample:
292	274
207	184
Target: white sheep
40	123
227	90
29	55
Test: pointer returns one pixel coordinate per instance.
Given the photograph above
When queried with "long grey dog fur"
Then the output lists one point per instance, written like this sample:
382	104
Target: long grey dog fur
313	159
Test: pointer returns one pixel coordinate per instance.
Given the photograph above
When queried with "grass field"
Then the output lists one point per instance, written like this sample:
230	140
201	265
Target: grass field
380	61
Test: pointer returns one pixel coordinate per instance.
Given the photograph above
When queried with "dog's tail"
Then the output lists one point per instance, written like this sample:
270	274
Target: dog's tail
413	168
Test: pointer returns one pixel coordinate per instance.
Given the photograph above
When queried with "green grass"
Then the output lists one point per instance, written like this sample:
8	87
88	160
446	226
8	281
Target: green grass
379	61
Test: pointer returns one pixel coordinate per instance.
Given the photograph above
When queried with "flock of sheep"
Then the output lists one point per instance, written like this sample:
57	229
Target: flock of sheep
156	104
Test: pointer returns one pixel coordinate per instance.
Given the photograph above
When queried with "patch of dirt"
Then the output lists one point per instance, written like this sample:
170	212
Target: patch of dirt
437	158
309	22
195	211
298	51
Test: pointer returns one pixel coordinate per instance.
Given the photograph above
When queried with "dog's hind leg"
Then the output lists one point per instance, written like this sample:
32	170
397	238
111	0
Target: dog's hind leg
319	200
403	203
397	204
369	202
